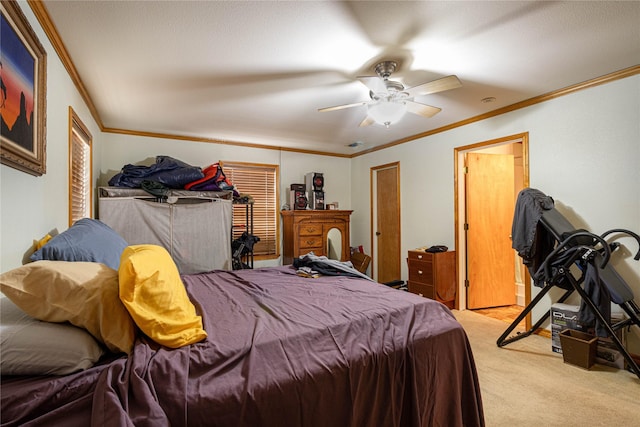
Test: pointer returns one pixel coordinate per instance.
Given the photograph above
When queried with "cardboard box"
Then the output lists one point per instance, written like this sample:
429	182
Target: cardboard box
563	316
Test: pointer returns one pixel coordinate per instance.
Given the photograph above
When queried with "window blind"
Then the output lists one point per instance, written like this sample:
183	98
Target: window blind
80	172
260	182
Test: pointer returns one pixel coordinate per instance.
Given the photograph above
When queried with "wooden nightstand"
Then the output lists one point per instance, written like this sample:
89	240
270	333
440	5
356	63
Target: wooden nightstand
433	275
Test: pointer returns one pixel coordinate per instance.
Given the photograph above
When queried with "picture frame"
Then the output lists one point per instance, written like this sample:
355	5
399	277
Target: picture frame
23	77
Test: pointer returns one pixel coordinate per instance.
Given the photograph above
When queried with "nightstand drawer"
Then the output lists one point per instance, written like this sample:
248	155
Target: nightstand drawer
423	290
420	256
421	271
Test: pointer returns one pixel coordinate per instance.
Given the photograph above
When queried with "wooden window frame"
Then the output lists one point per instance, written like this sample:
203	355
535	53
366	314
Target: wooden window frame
230	168
79	132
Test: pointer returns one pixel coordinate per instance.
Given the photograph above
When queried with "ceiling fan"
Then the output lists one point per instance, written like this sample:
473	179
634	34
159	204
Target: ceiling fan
390	100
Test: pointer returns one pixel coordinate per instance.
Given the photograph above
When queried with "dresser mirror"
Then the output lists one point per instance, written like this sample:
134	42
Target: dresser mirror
334	244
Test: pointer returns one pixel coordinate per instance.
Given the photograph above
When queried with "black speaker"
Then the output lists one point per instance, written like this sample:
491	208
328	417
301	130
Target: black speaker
318	181
300	201
317	200
297	197
314	181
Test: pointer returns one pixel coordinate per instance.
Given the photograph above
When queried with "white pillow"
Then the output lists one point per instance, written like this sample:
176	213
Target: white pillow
32	347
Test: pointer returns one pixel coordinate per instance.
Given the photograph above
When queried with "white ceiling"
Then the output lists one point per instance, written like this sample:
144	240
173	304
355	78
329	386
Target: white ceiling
257	71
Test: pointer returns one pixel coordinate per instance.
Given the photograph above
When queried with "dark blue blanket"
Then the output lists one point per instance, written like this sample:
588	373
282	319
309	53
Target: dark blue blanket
168	171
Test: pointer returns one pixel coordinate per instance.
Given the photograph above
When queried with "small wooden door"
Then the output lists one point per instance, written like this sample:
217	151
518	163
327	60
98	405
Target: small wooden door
490	205
387	224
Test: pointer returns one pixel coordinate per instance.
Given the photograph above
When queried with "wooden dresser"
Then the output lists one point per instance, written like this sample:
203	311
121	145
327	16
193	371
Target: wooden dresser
306	231
433	275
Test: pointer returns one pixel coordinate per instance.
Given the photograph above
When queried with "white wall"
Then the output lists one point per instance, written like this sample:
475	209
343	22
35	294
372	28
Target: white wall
584	151
30	206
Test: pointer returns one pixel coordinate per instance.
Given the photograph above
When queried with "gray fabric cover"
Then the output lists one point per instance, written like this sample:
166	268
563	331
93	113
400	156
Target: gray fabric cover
195	230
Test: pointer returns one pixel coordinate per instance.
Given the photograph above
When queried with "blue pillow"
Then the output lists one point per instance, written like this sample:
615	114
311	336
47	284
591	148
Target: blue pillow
88	240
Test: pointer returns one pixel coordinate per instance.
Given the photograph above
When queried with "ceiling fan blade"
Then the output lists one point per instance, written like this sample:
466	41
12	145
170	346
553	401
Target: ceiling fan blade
375	84
342	107
435	86
423	110
366	122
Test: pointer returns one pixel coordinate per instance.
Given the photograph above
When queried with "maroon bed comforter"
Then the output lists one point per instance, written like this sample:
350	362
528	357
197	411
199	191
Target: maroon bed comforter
281	351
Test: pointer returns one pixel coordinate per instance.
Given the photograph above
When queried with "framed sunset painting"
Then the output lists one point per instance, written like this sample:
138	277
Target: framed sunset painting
23	65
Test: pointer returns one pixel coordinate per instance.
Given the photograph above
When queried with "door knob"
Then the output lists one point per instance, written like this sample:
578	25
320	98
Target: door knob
377	233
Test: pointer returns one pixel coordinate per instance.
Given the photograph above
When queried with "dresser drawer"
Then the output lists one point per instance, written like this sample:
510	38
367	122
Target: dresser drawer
310	229
421	289
316	251
421	271
306	242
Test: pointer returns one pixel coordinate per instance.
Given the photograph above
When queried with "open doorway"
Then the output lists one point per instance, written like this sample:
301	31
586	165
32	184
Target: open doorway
491	277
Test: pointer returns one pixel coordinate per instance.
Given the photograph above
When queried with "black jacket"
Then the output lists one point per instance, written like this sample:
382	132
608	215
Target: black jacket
532	241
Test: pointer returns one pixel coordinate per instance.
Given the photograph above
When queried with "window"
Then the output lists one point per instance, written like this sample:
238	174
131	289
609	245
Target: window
80	166
261	183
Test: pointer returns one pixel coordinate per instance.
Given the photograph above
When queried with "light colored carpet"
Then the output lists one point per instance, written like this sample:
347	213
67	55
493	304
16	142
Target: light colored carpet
526	384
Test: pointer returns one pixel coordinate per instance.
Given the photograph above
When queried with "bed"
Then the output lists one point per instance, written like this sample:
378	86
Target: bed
280	350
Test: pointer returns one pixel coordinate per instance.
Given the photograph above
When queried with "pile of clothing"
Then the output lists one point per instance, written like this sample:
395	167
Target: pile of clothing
311	265
169	173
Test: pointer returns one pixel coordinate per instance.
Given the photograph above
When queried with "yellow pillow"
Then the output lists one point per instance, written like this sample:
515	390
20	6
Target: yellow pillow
40	243
153	292
84	294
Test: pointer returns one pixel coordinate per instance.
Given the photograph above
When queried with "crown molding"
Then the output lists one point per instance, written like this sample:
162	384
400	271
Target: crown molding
41	13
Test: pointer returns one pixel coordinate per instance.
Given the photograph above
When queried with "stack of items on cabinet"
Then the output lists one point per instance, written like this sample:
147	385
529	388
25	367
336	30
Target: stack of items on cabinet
184	208
168	173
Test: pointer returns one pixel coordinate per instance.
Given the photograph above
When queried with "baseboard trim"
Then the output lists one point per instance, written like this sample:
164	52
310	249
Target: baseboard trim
543	332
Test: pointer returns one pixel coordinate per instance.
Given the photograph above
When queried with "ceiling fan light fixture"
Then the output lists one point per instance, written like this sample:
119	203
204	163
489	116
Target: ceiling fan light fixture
390	100
387	113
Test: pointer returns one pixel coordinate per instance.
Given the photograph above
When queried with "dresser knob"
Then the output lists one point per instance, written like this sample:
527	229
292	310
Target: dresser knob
419	256
419	271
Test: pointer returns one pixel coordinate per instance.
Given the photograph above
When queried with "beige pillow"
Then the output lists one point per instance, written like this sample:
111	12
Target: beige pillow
83	293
